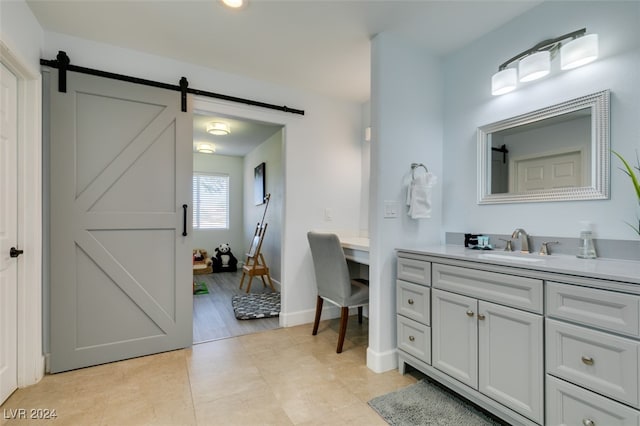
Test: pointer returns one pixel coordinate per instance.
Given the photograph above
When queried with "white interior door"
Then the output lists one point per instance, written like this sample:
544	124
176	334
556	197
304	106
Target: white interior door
562	170
121	167
8	232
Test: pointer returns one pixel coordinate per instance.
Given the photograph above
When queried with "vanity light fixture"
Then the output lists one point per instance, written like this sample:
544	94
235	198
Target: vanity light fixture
534	66
535	63
205	148
579	52
218	128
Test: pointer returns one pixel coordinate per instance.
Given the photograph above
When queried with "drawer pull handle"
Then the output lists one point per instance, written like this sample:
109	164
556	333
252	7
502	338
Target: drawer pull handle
410	301
470	313
588	422
481	317
587	360
411	338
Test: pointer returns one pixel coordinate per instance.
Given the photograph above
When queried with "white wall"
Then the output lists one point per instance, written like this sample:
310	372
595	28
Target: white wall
406	112
209	239
21	32
321	158
469	104
270	152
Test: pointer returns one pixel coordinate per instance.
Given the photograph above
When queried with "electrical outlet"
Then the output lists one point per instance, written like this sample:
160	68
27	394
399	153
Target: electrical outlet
328	215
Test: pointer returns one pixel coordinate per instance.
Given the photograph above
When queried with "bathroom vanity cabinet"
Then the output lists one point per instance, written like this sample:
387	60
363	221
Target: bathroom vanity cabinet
547	341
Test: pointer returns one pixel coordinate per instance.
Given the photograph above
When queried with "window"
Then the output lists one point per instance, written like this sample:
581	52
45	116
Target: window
210	201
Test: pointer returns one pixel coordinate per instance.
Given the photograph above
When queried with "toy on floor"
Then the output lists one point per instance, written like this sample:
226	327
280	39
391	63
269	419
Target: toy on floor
201	263
224	260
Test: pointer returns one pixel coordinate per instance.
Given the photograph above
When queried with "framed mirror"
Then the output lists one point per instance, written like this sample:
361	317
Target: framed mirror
558	153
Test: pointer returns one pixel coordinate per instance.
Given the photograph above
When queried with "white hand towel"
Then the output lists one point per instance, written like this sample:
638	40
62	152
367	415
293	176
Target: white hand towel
419	196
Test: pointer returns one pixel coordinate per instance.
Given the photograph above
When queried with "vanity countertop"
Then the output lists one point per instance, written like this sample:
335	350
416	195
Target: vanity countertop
627	271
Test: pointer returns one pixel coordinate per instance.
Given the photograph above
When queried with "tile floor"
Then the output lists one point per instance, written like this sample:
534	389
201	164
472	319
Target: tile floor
278	377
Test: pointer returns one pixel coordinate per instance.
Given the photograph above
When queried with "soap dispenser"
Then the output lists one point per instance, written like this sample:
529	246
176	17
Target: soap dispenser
586	249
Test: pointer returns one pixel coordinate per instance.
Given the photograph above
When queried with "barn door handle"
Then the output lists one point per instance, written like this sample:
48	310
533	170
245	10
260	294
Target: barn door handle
184	220
14	252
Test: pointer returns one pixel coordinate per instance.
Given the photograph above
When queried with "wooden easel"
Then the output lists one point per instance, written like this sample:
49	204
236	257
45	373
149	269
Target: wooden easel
255	264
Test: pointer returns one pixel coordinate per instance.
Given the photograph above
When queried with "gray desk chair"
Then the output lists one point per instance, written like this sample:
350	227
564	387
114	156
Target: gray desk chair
333	281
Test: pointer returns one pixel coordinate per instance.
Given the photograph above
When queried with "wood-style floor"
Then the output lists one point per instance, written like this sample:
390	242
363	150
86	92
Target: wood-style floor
213	316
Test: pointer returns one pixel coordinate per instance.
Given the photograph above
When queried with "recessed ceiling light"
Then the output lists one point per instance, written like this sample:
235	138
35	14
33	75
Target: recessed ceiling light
235	4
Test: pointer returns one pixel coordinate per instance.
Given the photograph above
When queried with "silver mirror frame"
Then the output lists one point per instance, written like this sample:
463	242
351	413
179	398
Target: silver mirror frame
599	189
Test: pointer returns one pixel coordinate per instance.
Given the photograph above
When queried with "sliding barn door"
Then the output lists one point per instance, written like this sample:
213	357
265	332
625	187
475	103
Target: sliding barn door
121	166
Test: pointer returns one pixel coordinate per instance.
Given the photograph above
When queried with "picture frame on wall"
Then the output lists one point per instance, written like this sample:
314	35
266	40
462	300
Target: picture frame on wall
259	184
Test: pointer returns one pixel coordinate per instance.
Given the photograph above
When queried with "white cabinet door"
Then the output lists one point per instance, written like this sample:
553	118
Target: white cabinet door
455	336
510	358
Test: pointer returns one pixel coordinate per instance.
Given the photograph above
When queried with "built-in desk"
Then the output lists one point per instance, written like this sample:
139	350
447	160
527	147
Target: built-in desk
356	249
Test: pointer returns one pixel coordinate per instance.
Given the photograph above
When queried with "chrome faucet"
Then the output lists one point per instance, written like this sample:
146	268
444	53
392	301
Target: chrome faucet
524	237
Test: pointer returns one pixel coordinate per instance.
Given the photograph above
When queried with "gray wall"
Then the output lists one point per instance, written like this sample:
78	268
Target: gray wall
270	152
468	104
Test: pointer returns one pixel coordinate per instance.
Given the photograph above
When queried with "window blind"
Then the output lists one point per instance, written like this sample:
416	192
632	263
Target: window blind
210	201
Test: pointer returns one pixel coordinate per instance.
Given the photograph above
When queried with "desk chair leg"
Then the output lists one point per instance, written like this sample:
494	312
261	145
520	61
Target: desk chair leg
316	322
344	317
360	314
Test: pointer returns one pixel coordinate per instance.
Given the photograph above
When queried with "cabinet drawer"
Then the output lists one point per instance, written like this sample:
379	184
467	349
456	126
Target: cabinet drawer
571	405
414	301
601	362
604	309
415	339
510	290
415	271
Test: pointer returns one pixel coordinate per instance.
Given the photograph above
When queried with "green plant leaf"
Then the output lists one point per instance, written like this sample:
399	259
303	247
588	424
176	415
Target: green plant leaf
629	171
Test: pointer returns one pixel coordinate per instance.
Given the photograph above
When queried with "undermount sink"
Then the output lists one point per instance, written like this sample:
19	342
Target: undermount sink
513	257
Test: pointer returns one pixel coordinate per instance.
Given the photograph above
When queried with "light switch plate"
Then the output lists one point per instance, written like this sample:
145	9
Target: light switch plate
391	209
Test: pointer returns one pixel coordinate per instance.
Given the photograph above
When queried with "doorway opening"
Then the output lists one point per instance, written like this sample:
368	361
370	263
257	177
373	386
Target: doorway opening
225	160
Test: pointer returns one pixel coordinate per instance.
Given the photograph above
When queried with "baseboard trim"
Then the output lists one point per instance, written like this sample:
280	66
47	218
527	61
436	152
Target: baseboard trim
308	316
379	362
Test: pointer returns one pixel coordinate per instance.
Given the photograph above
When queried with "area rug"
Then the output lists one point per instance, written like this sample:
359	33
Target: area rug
425	403
200	288
256	305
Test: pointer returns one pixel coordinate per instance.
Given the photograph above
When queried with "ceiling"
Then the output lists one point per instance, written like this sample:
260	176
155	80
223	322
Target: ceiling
322	46
245	134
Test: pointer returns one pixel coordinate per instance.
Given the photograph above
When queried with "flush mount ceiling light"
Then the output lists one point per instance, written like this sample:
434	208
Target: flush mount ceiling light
218	128
234	4
576	49
205	148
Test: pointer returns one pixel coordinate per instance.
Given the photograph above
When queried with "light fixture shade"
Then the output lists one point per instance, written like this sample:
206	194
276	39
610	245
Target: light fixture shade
218	128
205	148
579	52
534	66
504	81
235	4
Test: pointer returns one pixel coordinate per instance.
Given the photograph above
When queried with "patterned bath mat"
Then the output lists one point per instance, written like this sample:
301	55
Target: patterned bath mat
426	403
256	305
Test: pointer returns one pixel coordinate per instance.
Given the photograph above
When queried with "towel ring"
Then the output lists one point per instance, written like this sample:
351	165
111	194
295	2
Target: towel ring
414	166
